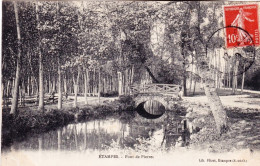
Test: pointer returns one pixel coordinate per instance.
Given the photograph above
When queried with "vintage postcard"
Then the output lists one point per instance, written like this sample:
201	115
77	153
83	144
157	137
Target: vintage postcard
130	83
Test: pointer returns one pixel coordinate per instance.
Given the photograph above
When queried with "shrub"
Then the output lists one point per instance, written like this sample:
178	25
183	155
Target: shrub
109	94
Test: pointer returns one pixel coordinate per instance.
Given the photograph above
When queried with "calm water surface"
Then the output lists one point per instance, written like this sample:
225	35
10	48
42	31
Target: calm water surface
106	134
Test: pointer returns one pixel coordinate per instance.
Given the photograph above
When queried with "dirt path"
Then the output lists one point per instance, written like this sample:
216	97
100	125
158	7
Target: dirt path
240	101
81	102
68	104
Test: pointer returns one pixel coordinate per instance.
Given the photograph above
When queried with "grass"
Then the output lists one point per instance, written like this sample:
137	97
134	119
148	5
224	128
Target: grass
243	132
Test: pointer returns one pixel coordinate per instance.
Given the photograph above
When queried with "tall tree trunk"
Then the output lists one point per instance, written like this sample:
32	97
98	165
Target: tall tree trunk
54	84
41	86
243	80
59	85
20	95
229	78
99	85
28	86
8	88
190	81
3	94
94	82
86	81
120	84
76	88
126	81
194	88
205	73
32	86
216	107
132	75
18	65
50	84
184	85
234	81
65	83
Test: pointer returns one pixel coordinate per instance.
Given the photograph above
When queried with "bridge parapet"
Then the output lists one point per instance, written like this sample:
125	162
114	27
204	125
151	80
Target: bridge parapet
166	94
164	89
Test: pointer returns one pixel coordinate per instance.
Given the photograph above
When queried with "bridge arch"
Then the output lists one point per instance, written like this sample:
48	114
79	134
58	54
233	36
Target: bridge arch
144	113
142	99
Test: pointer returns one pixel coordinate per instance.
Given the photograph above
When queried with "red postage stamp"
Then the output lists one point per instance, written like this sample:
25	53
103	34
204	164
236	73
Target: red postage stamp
243	20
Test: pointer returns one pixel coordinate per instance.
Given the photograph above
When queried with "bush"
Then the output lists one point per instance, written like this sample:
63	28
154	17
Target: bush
126	99
15	126
109	94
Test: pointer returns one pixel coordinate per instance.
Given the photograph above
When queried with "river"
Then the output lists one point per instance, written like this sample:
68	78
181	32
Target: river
101	134
111	136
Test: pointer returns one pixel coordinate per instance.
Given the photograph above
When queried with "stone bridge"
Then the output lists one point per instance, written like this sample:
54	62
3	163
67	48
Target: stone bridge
166	94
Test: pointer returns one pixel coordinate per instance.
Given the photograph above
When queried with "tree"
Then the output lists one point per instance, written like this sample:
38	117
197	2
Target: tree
18	65
205	70
41	87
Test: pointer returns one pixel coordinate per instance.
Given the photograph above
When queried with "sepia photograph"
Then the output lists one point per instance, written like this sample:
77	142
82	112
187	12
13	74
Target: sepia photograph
171	83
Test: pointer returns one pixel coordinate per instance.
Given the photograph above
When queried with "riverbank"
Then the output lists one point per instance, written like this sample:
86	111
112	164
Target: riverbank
31	120
243	132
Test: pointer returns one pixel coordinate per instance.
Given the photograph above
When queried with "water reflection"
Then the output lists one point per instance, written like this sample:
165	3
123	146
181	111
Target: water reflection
154	107
108	134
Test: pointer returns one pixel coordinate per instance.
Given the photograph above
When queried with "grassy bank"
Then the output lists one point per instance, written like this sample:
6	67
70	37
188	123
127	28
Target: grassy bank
243	132
16	127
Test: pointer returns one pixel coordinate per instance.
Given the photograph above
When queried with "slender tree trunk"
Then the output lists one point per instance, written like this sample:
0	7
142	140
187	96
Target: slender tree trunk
123	83
132	75
229	78
3	93
59	85
219	67
28	87
194	88
76	88
105	84
184	85
18	65
234	81
32	86
243	80
54	84
7	88
94	82
190	82
41	86
99	85
126	81
120	84
50	84
20	95
86	81
65	84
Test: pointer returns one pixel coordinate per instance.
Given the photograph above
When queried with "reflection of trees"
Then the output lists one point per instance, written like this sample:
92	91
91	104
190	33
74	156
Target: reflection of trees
75	136
154	107
97	135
